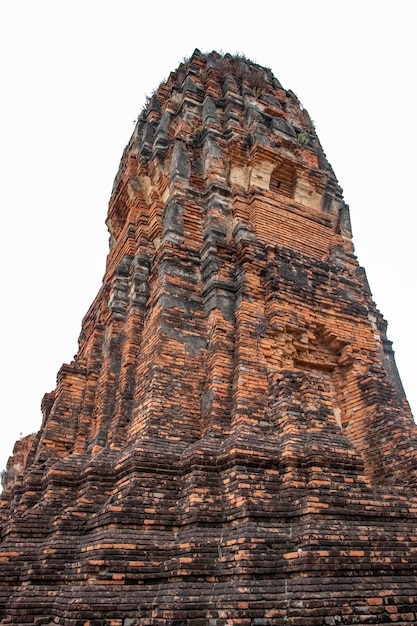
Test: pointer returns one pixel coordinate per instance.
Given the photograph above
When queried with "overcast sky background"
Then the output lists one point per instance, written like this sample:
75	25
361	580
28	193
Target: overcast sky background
74	76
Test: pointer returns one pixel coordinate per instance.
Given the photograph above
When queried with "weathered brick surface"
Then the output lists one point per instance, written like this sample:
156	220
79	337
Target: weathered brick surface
231	445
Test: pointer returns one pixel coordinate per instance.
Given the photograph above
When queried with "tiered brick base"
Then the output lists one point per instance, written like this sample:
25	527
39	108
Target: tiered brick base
231	445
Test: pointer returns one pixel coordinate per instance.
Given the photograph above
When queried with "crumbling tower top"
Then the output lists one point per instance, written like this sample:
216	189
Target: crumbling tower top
272	146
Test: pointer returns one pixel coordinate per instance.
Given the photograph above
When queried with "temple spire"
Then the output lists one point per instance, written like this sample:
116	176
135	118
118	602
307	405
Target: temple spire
231	444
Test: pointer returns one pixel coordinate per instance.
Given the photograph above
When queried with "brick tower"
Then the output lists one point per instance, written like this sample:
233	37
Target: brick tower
231	444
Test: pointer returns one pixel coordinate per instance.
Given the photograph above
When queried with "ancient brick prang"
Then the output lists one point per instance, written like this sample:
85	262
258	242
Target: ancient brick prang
231	444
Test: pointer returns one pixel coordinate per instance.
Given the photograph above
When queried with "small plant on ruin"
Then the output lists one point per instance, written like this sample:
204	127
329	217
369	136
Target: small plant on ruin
303	139
244	70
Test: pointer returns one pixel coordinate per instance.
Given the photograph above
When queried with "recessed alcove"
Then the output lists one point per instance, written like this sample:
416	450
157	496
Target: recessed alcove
283	179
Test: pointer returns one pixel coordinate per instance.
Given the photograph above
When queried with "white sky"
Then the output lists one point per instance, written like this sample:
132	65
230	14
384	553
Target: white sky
74	76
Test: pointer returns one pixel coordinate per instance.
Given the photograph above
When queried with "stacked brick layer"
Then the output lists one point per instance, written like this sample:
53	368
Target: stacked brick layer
231	444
